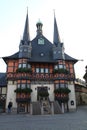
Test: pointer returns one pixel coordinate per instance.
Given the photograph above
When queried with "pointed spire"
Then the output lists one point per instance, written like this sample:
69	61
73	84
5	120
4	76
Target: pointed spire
26	36
25	47
56	38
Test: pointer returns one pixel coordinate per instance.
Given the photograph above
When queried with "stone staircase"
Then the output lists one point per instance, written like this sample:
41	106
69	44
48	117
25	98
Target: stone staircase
46	107
57	108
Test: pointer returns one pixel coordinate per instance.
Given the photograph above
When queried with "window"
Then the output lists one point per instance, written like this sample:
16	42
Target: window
19	86
60	66
25	49
21	50
46	70
66	85
62	85
28	85
41	41
64	67
20	65
24	65
56	67
29	66
42	54
37	70
23	86
54	52
57	86
42	70
9	82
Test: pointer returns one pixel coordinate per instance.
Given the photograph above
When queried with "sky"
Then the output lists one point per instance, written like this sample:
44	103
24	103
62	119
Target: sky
71	16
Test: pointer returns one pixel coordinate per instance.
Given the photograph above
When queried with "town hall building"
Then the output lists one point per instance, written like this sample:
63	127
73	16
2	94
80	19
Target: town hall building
40	76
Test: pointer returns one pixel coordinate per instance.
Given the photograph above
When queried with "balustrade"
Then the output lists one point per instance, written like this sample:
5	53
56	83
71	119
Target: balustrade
40	76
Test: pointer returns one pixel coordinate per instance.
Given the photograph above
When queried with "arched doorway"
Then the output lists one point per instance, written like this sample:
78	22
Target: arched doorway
42	93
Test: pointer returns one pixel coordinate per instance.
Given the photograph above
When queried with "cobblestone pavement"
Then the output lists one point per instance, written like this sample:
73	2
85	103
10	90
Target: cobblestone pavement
68	121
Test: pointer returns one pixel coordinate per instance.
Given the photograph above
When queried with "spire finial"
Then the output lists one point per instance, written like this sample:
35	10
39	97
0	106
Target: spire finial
54	11
27	9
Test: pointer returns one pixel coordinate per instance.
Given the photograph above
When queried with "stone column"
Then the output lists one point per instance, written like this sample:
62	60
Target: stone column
31	108
62	107
42	109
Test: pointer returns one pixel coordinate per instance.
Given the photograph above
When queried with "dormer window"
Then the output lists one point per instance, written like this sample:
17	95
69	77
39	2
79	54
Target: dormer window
41	41
42	54
25	49
21	50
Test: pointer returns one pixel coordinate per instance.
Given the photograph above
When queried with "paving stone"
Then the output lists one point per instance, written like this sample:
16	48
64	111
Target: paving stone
69	121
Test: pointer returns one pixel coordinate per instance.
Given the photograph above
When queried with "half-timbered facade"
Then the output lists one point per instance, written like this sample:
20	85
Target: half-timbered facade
3	92
40	76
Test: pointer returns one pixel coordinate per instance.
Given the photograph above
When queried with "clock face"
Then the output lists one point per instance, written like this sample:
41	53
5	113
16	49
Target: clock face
41	41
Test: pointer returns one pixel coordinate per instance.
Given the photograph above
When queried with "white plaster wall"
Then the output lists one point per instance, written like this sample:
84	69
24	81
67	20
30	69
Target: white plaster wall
11	95
34	92
72	97
51	91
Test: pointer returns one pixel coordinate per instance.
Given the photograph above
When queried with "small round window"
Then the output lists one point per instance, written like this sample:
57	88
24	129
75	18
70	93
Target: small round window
42	54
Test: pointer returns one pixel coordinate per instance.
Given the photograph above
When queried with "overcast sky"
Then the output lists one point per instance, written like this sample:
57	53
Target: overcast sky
71	18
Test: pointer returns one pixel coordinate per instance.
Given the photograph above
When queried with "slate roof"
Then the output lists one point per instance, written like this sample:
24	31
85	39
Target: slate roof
3	81
41	53
69	58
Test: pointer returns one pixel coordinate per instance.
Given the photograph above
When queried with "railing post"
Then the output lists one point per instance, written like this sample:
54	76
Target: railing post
52	108
62	107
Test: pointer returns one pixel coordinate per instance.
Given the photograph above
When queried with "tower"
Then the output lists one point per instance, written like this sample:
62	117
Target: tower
25	44
58	47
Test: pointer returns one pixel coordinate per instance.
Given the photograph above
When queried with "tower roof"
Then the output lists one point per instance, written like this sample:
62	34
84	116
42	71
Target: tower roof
39	27
56	37
26	36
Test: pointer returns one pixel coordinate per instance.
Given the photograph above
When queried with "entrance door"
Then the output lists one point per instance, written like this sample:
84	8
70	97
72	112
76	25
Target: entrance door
40	91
